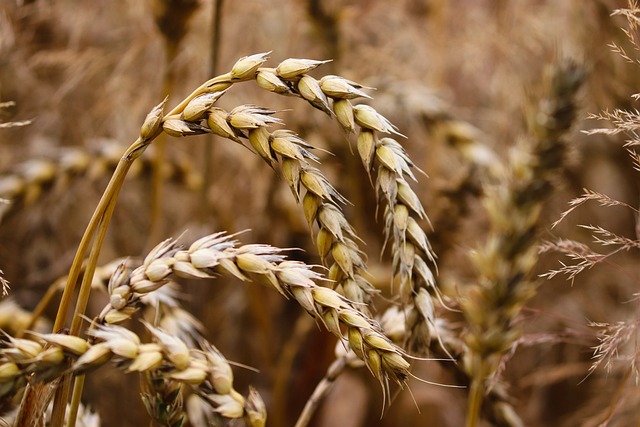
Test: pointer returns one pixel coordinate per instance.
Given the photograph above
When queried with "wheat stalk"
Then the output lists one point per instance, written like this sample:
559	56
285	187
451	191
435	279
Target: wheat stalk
504	262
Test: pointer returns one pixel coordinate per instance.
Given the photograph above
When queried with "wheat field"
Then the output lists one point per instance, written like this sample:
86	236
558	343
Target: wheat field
319	213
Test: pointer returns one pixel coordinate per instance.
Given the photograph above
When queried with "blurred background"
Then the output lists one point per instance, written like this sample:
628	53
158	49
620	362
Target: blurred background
452	75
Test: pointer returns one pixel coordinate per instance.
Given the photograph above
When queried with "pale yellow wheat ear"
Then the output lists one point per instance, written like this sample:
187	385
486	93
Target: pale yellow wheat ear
204	259
505	261
413	259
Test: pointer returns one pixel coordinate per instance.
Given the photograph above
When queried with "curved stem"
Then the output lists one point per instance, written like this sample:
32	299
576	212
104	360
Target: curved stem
476	394
101	217
284	369
76	267
87	279
321	390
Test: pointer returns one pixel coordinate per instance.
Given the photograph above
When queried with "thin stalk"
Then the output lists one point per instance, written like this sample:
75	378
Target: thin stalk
76	396
60	401
160	146
284	369
476	394
101	217
216	23
321	391
76	267
61	397
85	288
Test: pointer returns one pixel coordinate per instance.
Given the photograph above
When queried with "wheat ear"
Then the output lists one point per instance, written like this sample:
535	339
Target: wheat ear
413	258
513	206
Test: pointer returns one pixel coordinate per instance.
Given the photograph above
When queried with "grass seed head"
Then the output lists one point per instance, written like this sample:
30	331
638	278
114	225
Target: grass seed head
189	375
96	356
158	270
227	406
70	343
8	371
145	361
198	106
153	122
369	118
175	349
177	127
256	409
52	356
218	124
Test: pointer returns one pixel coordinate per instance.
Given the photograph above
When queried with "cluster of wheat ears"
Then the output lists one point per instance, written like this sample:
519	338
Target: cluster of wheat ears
186	378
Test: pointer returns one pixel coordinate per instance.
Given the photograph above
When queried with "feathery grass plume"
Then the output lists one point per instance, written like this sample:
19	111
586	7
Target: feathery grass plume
617	348
27	182
506	259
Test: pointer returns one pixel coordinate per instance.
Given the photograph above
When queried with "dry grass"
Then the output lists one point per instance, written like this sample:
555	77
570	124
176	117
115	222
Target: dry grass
445	288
